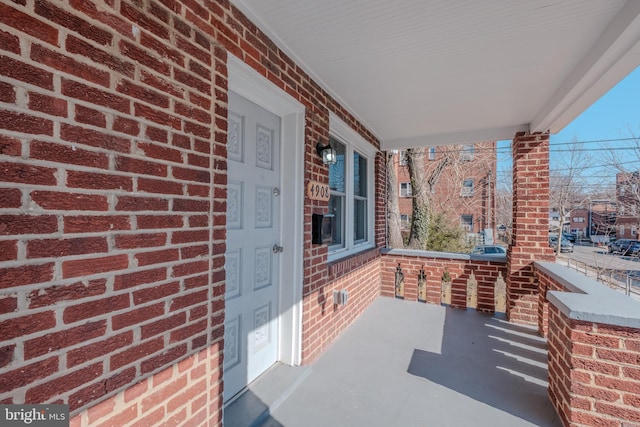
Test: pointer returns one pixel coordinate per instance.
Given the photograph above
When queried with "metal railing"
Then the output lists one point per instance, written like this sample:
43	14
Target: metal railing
615	279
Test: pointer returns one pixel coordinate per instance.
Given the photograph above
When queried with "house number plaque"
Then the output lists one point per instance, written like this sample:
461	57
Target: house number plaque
317	191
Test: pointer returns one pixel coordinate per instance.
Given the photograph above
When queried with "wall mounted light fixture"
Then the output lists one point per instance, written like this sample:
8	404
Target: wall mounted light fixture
327	153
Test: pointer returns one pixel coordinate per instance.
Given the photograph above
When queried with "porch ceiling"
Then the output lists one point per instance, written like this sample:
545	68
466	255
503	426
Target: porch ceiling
435	72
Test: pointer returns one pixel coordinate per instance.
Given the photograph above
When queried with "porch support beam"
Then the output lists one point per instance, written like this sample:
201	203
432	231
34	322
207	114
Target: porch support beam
529	240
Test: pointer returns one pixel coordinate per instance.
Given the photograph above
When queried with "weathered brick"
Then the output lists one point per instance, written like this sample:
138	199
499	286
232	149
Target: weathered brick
66	247
100	388
143	57
53	294
95	96
191	330
69	65
8	304
163	359
90	116
25	275
25	72
95	181
157	257
47	104
158	186
145	22
100	348
148	240
140	166
87	223
94	138
57	200
55	341
99	56
126	125
136	353
95	308
152	293
25	325
28	374
10	43
64	154
44	392
160	326
25	123
9	146
72	22
137	316
134	203
27	174
88	266
6	356
8	248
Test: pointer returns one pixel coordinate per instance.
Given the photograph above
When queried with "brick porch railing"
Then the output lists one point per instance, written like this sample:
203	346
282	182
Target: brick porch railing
593	337
593	332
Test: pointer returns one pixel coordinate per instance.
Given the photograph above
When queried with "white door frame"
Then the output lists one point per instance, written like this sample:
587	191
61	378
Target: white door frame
246	82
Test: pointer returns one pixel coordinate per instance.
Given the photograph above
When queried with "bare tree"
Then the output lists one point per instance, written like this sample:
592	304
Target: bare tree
418	234
625	163
567	184
394	227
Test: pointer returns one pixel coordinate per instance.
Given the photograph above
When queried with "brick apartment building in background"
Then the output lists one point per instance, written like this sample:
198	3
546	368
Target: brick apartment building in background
464	192
628	198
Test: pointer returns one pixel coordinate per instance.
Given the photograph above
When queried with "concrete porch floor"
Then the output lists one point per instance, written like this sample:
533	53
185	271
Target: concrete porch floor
410	364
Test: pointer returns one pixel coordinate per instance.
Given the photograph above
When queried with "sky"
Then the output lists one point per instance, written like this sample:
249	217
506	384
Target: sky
615	116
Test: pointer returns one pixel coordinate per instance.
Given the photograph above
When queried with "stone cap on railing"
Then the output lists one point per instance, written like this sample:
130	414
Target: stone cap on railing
443	255
586	299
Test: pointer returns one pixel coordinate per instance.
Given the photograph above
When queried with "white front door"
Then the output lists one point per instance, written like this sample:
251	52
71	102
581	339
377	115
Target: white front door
252	252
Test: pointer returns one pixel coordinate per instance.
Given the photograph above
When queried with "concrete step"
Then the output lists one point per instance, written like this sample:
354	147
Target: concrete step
253	406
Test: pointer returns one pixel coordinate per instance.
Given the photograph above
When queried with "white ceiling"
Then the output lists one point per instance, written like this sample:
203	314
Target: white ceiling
431	72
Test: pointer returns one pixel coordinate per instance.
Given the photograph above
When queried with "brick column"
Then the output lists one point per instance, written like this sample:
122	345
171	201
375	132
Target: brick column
530	233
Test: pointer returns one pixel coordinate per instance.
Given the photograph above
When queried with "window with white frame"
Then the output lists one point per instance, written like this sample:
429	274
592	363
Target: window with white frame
405	221
432	153
578	219
467	153
466	221
402	158
351	182
467	188
405	189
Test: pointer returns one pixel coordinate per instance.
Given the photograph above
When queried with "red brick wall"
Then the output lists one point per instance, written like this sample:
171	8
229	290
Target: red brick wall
113	198
486	274
594	374
324	321
529	241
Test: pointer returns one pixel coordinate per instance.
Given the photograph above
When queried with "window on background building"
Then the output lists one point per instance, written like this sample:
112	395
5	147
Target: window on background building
467	153
622	230
351	186
402	158
405	189
405	221
432	153
466	221
578	219
467	188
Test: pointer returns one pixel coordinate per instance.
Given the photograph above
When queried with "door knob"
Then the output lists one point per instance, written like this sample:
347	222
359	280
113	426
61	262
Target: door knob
277	249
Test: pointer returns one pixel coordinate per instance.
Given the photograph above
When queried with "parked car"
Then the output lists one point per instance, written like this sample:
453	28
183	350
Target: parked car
565	245
621	246
570	237
633	249
493	250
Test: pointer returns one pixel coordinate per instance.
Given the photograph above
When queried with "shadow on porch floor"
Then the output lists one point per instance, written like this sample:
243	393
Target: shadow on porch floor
410	364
